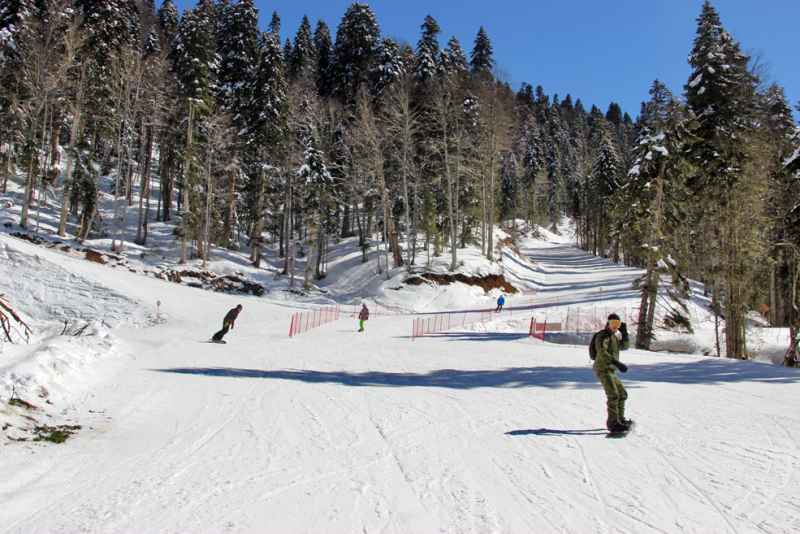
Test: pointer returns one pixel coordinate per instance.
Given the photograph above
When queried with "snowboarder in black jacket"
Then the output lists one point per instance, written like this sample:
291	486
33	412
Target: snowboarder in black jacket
227	322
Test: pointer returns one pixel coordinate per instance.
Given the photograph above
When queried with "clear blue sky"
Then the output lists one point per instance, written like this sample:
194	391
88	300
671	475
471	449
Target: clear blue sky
600	51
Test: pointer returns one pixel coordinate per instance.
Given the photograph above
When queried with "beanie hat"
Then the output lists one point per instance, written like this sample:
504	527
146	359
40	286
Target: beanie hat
613	317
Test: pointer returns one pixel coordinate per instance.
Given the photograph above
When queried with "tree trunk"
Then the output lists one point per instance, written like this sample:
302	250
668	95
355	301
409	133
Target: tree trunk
318	274
490	243
307	274
26	198
346	230
207	216
230	195
287	217
255	237
145	189
185	186
651	309
73	136
642	333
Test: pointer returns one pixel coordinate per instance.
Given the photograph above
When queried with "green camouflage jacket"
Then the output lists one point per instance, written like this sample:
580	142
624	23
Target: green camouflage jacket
608	346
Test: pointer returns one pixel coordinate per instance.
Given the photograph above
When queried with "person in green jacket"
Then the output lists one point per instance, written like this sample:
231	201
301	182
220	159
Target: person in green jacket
608	346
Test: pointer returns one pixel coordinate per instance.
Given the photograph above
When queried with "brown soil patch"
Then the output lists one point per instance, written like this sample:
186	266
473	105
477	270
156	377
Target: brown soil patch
488	282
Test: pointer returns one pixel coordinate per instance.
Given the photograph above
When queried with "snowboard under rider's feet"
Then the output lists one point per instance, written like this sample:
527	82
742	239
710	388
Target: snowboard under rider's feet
620	425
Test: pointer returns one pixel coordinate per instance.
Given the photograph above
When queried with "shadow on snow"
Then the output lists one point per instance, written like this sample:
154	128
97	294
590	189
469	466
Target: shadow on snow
552	432
707	372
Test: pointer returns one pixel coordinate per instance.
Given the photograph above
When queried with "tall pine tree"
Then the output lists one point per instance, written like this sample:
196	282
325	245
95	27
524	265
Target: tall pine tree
427	50
355	51
721	94
481	56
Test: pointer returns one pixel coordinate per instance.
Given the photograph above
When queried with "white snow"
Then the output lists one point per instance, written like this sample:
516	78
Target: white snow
477	429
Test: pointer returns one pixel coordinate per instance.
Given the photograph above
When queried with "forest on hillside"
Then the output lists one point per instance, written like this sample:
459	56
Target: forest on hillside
242	138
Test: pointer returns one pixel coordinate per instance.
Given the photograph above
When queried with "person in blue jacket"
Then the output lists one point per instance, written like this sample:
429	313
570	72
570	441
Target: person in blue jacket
500	303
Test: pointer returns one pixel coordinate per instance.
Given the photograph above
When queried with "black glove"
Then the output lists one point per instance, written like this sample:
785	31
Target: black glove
619	365
623	329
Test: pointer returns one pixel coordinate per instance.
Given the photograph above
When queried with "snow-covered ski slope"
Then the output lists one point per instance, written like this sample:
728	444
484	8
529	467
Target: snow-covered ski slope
477	429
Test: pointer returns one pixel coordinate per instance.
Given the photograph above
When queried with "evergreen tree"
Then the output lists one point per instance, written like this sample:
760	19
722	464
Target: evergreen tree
780	146
481	56
652	210
355	51
168	20
238	51
152	45
304	54
721	94
509	186
390	67
427	50
12	13
194	63
525	96
614	114
542	106
112	29
287	54
452	59
554	158
267	119
324	51
274	26
317	192
604	181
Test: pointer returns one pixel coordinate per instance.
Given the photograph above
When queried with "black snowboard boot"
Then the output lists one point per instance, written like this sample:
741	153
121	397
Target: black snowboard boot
619	426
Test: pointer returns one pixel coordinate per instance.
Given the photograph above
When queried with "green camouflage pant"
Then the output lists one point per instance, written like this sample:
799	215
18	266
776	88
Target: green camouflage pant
615	393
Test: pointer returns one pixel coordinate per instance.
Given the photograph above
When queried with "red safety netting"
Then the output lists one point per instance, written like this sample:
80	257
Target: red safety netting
303	322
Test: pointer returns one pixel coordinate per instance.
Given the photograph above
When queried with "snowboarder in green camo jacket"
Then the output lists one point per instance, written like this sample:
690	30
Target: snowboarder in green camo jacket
608	346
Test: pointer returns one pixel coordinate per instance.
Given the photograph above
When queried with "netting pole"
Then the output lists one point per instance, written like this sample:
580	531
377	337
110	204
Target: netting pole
291	328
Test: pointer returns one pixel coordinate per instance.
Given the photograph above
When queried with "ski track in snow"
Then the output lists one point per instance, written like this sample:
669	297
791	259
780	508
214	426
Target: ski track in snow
339	431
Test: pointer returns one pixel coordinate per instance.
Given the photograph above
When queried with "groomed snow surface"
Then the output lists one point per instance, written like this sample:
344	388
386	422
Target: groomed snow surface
480	428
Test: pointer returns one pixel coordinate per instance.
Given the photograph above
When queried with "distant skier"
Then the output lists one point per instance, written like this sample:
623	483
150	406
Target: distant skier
608	347
363	316
500	303
227	322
